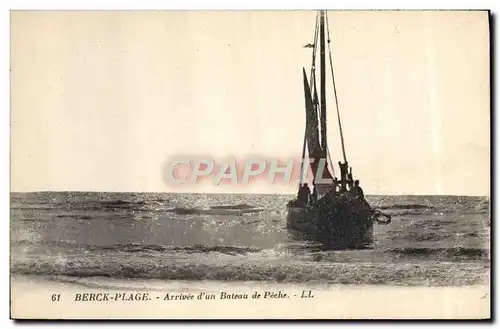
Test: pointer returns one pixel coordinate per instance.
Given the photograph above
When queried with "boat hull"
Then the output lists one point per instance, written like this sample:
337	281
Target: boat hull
342	223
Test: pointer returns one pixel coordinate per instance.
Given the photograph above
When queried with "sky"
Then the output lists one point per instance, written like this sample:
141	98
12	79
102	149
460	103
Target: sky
101	101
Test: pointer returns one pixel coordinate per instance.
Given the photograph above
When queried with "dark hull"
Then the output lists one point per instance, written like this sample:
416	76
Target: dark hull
342	223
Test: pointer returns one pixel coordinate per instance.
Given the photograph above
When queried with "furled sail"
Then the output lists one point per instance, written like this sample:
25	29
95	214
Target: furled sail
316	154
312	131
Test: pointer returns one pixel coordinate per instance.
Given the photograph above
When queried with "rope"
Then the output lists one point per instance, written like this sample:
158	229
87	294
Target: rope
376	215
335	90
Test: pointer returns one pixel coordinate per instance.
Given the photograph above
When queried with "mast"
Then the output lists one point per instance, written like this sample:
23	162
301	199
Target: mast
323	83
315	134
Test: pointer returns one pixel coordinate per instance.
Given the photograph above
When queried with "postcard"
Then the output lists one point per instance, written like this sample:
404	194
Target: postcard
292	164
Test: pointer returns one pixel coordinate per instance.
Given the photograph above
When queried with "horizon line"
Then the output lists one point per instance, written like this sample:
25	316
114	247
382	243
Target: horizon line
239	193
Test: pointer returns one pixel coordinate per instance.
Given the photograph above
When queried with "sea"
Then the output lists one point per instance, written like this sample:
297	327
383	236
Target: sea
93	238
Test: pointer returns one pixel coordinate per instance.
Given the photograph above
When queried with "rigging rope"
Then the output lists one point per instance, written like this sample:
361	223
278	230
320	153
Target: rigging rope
376	217
335	89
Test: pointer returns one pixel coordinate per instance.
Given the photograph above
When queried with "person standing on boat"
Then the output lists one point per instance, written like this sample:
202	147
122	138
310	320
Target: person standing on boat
336	183
314	195
357	191
349	179
304	194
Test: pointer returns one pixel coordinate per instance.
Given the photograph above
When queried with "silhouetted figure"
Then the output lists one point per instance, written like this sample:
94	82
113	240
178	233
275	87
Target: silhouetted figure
314	195
349	179
357	191
344	167
336	184
304	194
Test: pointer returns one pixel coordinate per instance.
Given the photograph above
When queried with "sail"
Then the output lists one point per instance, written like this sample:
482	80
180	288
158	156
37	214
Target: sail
312	132
316	110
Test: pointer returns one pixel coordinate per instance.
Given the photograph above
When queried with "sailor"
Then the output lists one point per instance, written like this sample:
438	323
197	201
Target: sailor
304	193
314	195
356	190
349	180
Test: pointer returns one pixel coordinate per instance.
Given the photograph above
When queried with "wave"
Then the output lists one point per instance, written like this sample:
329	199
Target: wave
236	210
99	284
83	205
402	209
230	250
235	206
83	217
332	273
121	203
136	247
449	253
406	206
405	209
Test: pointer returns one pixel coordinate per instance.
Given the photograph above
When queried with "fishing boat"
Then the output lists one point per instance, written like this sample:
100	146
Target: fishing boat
335	212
